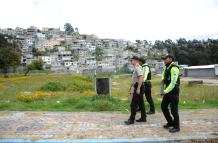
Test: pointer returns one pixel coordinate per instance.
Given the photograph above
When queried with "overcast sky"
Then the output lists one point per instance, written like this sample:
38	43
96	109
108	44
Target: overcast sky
120	19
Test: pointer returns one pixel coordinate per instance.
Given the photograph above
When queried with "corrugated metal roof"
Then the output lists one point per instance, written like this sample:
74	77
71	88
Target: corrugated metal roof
201	67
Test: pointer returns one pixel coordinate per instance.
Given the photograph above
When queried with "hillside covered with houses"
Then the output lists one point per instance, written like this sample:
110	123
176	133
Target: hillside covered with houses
69	51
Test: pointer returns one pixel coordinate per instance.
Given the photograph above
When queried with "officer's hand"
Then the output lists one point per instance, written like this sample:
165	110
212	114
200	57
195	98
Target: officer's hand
131	90
138	91
162	93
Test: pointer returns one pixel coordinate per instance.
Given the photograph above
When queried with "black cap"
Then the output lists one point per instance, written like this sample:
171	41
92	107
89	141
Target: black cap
135	58
167	56
141	59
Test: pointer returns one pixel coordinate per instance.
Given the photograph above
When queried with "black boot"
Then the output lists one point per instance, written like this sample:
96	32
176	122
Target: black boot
150	112
167	126
141	120
129	122
174	130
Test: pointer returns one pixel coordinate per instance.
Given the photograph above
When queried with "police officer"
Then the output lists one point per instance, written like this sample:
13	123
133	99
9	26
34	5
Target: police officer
136	89
170	92
147	85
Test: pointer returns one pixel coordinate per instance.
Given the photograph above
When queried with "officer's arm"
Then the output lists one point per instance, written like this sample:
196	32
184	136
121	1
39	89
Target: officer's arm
163	72
146	72
131	85
140	81
162	82
140	76
174	77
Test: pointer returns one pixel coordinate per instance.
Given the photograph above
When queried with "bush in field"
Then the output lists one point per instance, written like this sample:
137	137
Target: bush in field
80	86
32	96
81	83
76	83
53	86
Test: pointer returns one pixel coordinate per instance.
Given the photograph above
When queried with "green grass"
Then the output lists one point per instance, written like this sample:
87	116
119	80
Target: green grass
71	97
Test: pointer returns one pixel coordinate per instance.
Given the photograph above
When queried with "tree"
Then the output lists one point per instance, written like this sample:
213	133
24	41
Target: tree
75	57
213	50
68	28
191	52
130	48
10	56
35	65
138	41
37	53
3	41
77	30
159	44
98	54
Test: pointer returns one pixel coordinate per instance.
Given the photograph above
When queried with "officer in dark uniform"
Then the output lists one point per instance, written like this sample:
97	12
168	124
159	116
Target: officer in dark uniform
137	91
147	84
170	92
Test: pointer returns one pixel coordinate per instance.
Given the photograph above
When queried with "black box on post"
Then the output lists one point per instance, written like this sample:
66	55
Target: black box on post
103	86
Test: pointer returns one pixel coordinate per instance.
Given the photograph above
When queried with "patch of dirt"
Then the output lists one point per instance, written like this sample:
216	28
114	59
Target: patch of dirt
208	81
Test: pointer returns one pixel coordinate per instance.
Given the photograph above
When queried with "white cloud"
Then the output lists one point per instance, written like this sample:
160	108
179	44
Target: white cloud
128	19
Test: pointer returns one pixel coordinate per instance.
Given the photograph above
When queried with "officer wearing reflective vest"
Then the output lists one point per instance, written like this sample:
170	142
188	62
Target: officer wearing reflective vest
137	91
147	85
170	92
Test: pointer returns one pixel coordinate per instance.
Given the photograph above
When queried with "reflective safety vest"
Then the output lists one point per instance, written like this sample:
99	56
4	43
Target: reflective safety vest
170	76
146	72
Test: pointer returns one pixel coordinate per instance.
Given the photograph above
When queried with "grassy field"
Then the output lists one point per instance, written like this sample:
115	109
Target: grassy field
70	92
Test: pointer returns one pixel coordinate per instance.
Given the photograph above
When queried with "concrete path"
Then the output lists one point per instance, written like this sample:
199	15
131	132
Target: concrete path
80	127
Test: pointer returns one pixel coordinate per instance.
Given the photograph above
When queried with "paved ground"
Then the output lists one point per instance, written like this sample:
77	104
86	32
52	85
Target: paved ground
201	124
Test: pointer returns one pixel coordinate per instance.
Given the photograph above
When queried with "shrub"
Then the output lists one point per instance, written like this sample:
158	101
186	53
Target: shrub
53	86
89	93
32	96
80	86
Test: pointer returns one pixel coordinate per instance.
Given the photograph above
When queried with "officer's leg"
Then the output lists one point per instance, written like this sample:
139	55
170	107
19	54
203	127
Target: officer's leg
134	106
174	109
149	98
164	106
142	105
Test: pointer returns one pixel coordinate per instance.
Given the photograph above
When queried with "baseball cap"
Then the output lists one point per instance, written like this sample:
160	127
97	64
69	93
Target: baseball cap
135	58
167	56
141	59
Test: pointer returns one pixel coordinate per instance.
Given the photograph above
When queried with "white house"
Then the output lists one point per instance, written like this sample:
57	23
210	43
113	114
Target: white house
40	36
43	45
46	59
91	61
31	31
65	55
67	63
